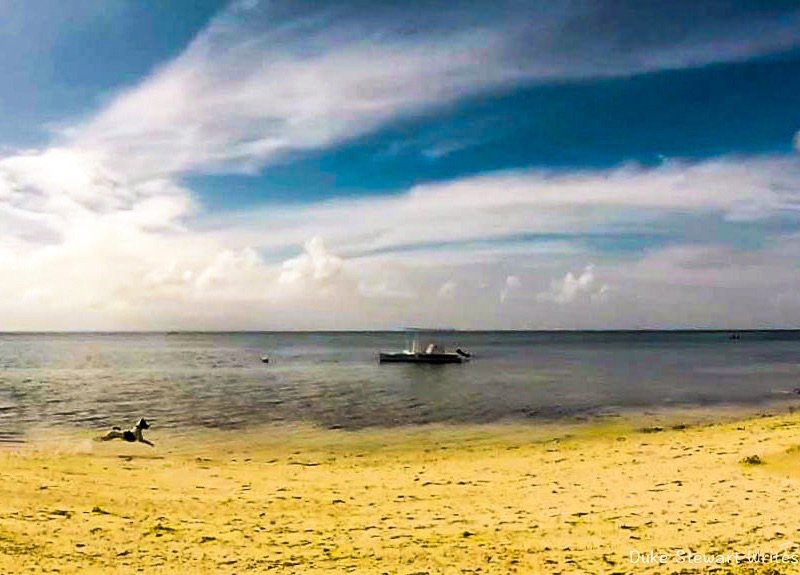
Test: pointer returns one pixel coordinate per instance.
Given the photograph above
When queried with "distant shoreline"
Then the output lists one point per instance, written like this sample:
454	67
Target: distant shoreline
400	330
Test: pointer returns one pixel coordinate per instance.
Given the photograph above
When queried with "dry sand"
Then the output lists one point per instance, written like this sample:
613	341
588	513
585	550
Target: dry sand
577	498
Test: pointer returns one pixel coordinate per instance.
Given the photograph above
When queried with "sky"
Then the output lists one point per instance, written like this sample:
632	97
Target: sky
303	165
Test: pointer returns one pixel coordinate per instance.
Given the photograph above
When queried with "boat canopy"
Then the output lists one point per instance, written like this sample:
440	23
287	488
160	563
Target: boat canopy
421	340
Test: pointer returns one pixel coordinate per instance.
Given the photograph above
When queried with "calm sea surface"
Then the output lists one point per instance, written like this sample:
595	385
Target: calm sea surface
334	379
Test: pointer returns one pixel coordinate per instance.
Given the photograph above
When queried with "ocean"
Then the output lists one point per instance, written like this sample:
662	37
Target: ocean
216	380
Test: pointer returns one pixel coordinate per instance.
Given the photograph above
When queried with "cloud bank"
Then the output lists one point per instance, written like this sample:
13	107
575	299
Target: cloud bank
136	256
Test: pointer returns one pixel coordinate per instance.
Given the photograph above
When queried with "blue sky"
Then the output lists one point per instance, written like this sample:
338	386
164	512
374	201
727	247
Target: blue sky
65	58
295	165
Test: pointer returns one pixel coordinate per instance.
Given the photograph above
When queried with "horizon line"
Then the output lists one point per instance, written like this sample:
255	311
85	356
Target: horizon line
400	330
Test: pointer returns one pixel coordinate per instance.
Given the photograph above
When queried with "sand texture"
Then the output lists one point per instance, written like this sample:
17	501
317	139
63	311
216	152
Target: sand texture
577	498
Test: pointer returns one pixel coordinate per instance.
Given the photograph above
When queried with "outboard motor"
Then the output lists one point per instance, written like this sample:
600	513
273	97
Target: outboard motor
463	353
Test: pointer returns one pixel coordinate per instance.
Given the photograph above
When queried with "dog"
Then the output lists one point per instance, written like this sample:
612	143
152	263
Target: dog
130	435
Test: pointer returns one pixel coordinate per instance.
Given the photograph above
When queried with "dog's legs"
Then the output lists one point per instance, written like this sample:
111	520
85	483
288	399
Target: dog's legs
150	443
113	434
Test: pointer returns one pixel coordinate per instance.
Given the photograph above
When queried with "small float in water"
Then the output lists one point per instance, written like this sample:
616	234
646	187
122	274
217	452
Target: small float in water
422	347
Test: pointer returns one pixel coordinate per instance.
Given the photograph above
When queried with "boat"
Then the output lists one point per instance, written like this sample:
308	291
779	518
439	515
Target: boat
421	347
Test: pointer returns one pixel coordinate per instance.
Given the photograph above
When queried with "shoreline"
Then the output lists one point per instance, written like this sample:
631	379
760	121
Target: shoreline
643	416
489	498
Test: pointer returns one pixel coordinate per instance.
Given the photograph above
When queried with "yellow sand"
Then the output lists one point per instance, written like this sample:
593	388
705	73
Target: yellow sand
464	499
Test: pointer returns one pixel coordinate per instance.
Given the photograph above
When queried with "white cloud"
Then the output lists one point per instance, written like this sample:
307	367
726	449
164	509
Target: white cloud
314	266
130	247
227	268
45	195
263	82
239	98
573	288
447	290
511	204
511	285
125	249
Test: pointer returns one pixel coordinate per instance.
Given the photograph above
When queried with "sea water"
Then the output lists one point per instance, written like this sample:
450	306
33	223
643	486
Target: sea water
190	380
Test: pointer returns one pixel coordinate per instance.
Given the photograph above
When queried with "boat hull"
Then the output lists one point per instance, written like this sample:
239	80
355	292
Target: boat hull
431	358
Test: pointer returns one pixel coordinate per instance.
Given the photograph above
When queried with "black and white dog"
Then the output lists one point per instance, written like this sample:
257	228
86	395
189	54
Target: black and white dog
131	435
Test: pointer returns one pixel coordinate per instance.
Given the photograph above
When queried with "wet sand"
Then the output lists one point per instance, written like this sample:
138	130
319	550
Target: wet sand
622	495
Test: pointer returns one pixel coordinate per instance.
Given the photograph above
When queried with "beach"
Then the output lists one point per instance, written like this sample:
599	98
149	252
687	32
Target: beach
663	493
494	287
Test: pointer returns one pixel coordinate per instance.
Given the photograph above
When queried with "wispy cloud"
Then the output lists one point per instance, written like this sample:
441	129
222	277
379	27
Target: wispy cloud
262	84
239	98
509	204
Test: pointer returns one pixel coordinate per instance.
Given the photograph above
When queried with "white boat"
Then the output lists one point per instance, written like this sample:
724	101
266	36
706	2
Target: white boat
421	347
